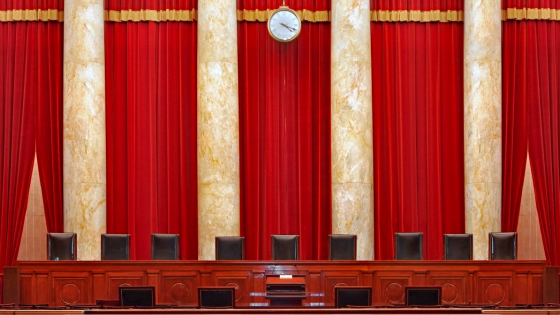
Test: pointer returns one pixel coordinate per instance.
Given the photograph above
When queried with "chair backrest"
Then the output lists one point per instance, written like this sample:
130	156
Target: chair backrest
115	246
457	246
216	297
165	246
285	247
409	246
62	246
230	248
348	296
342	247
502	246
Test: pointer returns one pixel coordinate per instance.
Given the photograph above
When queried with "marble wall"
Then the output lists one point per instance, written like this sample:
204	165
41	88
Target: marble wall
528	230
84	144
482	124
351	124
218	124
33	244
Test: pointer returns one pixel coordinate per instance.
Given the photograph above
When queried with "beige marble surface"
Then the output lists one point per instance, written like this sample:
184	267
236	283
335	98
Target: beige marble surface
84	146
218	124
33	244
528	229
482	125
351	123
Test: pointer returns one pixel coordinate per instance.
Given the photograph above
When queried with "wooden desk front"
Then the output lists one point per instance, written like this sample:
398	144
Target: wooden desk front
176	282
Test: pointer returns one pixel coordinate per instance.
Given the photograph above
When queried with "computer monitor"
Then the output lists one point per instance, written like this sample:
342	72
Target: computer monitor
137	296
216	297
345	296
423	295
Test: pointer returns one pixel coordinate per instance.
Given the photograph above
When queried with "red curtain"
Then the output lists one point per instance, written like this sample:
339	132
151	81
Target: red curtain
514	121
417	74
284	108
544	128
30	85
532	100
151	128
49	122
18	83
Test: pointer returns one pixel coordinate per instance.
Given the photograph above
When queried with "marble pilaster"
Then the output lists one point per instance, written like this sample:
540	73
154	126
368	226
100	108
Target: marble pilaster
482	124
84	144
351	123
218	124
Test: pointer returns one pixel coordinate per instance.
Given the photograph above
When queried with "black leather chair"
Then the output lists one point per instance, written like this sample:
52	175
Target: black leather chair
230	248
409	246
350	296
115	246
62	246
342	247
502	246
457	246
285	247
165	246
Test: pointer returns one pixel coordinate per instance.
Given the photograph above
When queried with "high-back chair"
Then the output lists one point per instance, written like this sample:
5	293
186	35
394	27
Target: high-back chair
342	247
62	246
165	246
457	246
285	247
230	248
409	246
502	246
115	246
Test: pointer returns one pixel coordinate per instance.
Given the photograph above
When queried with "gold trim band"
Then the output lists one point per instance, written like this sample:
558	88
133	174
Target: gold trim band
530	14
150	15
416	16
263	15
31	15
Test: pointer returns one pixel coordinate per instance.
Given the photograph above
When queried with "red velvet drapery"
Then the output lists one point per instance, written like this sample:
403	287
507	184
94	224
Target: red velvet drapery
417	71
514	121
49	122
151	127
30	87
533	69
18	83
284	108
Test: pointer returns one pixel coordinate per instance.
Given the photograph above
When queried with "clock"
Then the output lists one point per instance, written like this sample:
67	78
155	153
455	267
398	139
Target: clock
284	25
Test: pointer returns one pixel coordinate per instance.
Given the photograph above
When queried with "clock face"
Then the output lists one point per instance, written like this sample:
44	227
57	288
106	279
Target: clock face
284	25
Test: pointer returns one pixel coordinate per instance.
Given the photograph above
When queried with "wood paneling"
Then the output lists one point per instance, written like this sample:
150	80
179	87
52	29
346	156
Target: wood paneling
176	282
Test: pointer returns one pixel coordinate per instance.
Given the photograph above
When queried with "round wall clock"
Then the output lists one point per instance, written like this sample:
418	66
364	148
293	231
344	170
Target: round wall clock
284	25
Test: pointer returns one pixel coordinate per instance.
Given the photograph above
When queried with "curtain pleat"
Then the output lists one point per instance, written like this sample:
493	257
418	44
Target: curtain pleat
544	130
531	101
18	114
514	122
49	122
284	108
417	76
151	133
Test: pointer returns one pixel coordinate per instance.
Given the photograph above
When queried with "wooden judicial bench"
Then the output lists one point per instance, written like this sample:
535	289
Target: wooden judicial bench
479	282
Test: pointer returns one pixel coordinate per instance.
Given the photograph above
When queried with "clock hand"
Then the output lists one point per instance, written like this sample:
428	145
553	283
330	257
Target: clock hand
291	29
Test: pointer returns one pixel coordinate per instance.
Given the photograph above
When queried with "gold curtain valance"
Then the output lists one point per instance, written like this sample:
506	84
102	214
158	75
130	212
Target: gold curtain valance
31	15
416	16
530	14
263	15
150	15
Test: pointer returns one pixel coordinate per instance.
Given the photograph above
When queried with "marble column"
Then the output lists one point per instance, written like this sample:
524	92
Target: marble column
218	124
351	123
483	121
84	144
